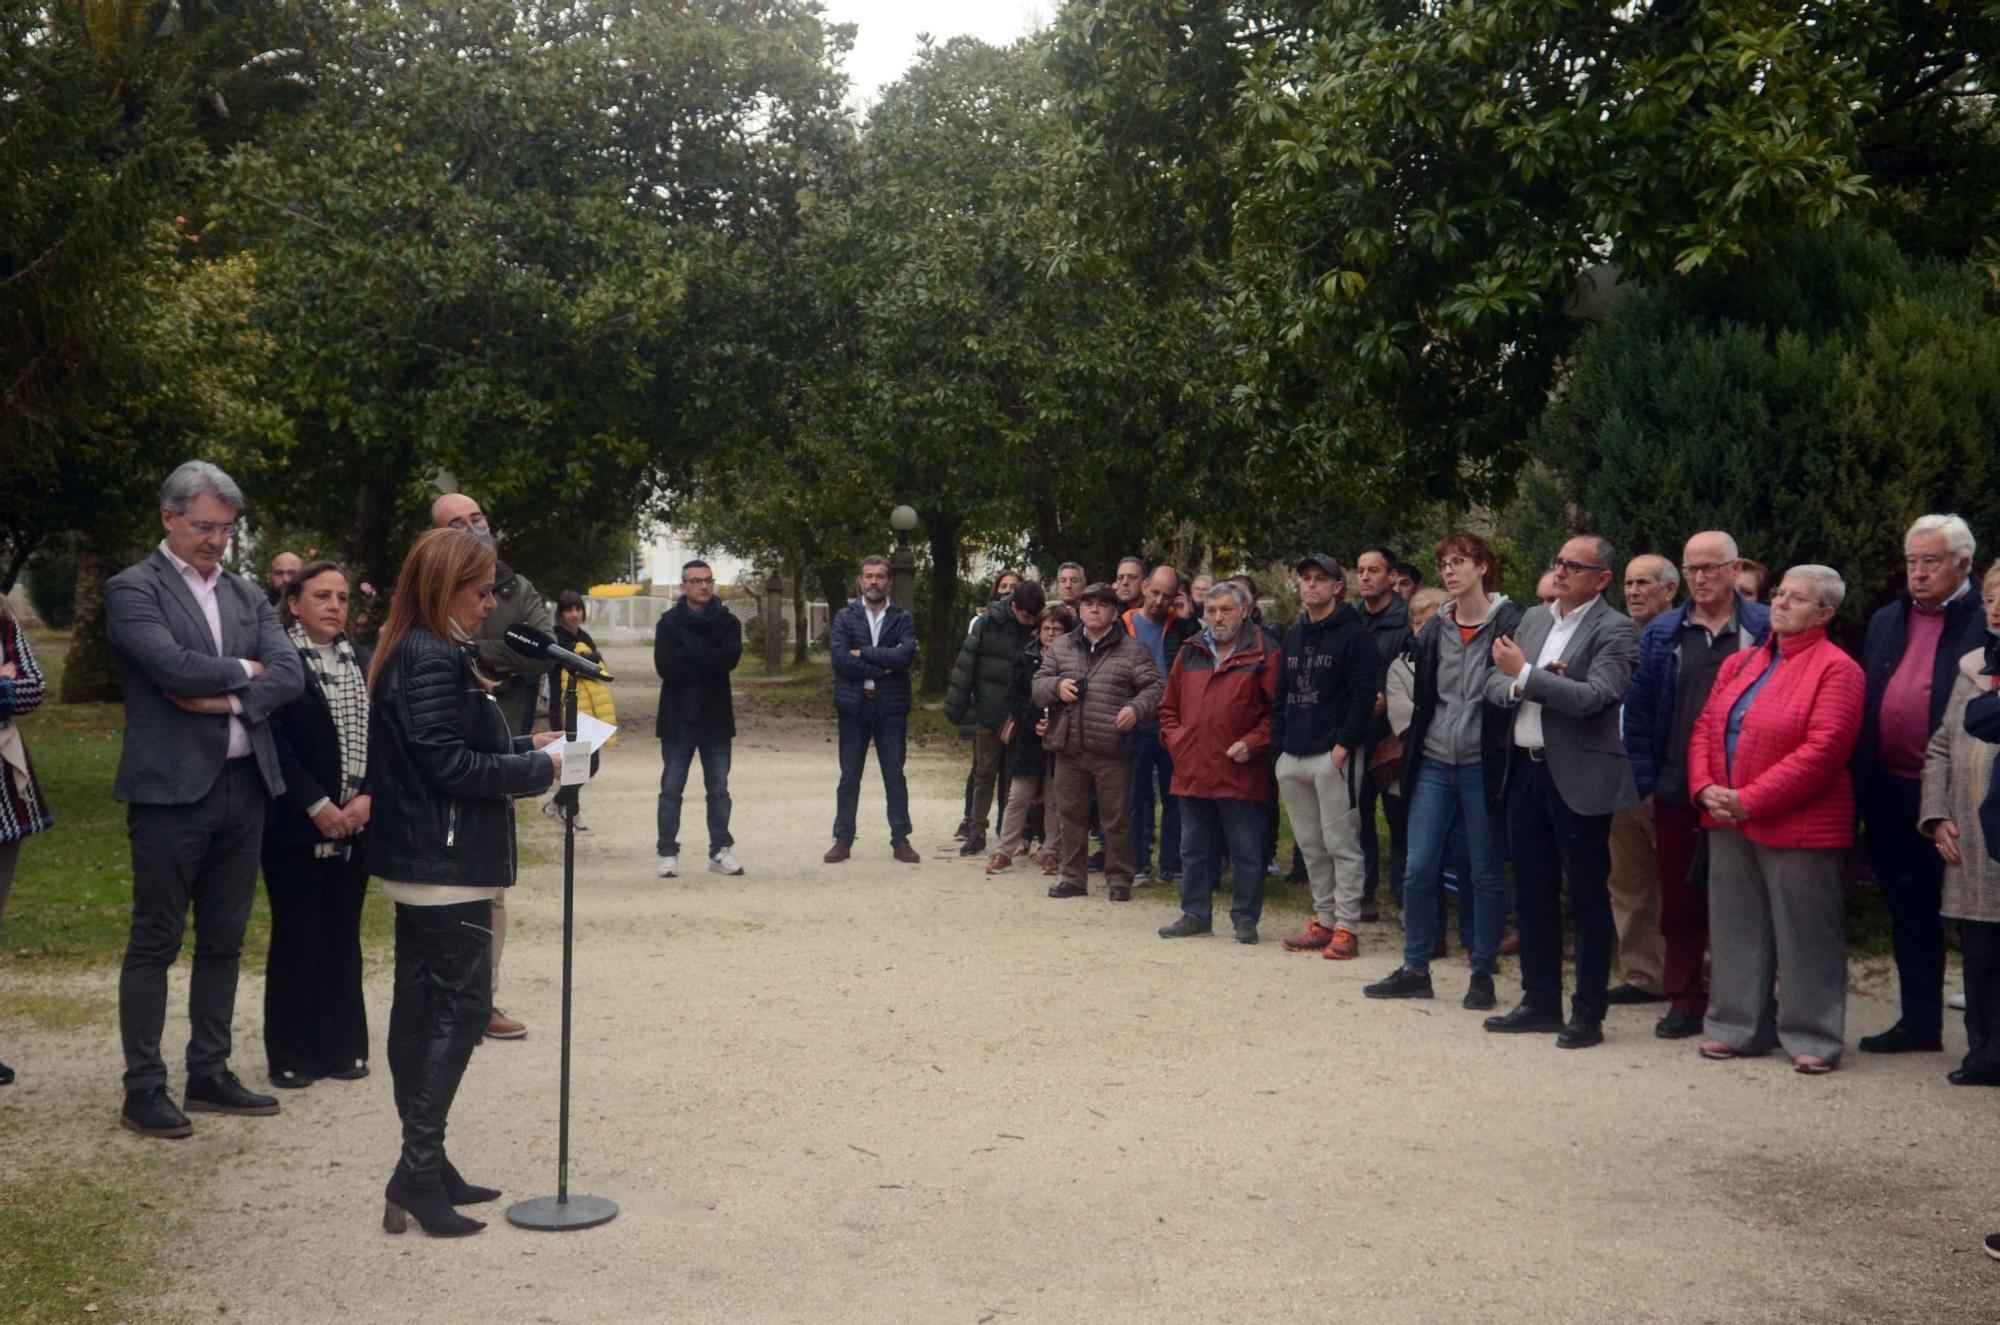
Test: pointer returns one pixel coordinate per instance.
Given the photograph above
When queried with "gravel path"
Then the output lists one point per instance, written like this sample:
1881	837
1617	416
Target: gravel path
878	1092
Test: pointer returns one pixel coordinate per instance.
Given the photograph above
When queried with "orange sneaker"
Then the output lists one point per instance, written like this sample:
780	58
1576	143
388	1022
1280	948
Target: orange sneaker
1343	945
1311	939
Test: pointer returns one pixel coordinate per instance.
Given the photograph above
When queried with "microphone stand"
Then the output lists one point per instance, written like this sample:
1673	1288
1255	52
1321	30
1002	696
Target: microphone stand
563	1212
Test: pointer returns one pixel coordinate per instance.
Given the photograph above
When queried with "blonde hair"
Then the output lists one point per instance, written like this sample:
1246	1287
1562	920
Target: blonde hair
1991	580
440	563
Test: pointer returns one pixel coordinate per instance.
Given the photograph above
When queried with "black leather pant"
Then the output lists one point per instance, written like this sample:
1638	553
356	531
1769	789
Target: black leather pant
443	999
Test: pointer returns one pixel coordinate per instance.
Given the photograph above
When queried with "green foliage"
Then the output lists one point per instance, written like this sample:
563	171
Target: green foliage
1812	405
1405	195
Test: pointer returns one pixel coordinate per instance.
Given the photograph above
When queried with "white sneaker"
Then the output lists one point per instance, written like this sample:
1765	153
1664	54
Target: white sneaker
669	867
1956	1002
581	831
551	810
723	862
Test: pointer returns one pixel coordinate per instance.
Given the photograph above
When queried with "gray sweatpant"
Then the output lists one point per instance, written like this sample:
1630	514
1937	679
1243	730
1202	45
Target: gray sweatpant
1775	915
1327	826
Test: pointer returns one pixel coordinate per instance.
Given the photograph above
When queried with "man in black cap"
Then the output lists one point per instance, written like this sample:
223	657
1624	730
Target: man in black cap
1100	684
1327	681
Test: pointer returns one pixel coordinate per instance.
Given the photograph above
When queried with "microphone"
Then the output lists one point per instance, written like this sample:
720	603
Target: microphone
532	643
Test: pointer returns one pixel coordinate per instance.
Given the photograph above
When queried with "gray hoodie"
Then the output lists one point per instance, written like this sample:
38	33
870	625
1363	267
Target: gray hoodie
1453	734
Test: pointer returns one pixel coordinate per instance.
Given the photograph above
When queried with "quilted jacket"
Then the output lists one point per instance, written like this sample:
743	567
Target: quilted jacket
1117	672
886	664
1791	759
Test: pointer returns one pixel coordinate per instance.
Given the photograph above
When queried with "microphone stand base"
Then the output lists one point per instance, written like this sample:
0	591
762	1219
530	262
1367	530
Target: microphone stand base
553	1214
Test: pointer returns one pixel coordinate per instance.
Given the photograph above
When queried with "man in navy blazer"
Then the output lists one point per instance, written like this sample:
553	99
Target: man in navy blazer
873	643
203	664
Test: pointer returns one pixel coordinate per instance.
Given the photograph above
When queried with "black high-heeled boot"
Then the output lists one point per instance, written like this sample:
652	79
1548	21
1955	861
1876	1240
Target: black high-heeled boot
459	1190
430	1207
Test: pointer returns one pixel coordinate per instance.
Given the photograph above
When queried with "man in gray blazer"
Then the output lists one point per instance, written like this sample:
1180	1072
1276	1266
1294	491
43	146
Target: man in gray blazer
1564	679
203	664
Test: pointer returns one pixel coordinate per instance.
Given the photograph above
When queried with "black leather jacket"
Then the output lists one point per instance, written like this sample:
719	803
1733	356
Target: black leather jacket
443	771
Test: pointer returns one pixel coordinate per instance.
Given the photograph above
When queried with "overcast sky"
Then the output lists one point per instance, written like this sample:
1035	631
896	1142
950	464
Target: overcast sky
887	41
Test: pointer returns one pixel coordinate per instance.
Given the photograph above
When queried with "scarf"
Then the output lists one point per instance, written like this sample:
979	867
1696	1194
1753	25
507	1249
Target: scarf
345	692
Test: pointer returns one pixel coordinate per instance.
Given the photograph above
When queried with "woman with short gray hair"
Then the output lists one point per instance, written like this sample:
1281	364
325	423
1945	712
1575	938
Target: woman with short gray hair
1767	767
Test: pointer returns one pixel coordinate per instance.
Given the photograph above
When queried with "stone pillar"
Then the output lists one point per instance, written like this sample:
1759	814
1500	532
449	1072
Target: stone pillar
773	607
903	576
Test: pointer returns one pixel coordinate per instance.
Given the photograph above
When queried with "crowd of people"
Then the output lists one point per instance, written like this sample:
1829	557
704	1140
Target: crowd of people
1684	779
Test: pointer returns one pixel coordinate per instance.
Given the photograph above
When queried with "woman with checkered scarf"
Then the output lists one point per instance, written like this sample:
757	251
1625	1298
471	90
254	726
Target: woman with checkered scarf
315	859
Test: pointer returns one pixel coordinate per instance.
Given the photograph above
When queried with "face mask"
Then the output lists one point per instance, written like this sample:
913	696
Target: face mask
481	532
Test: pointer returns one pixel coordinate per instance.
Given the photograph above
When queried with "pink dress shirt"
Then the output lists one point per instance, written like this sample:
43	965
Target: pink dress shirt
204	598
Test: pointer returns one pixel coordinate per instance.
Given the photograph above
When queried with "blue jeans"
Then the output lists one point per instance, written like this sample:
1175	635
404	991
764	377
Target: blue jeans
676	757
1445	795
889	734
1209	826
1153	772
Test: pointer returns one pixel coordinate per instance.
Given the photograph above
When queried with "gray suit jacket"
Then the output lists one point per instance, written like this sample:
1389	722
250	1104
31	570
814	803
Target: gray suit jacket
160	641
1580	708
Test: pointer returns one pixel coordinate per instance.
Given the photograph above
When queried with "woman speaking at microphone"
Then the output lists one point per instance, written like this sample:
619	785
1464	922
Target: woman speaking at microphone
443	770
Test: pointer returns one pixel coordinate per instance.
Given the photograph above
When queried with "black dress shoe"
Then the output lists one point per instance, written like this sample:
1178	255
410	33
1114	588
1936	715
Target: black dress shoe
1187	927
1972	1076
290	1080
1246	933
1899	1039
1629	993
6	1075
1370	913
223	1093
353	1071
1677	1025
150	1112
1119	892
1581	1033
1478	993
974	845
1523	1019
1068	890
1401	983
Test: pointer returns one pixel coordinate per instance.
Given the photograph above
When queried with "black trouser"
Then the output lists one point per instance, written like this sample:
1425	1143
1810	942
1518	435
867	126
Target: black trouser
1550	840
315	1021
1910	873
444	996
202	855
1981	941
1396	809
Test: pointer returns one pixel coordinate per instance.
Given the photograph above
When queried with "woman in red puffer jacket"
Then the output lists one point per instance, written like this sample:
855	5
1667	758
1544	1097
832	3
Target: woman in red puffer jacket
1767	766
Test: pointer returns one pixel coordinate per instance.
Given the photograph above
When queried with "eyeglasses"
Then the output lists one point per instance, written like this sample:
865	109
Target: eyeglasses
1453	563
209	530
697	580
1564	566
1704	568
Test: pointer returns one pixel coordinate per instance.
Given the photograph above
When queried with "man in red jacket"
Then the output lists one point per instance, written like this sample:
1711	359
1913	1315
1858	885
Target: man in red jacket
1215	720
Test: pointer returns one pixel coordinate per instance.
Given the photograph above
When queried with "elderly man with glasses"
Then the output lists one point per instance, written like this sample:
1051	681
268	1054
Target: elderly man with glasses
1563	680
1680	654
1910	659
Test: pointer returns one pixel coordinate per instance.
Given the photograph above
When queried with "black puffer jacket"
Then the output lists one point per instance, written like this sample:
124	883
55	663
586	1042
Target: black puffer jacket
1025	757
984	671
443	771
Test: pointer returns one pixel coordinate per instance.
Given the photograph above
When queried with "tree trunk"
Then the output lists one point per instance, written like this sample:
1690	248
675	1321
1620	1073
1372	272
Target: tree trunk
940	632
88	676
